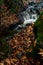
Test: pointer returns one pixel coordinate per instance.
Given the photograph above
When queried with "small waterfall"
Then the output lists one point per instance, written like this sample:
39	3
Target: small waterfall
25	17
28	18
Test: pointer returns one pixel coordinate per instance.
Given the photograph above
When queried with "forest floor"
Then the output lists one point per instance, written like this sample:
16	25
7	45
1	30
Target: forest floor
20	44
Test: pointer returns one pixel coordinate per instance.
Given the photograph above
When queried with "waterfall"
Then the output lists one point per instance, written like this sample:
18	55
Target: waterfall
29	18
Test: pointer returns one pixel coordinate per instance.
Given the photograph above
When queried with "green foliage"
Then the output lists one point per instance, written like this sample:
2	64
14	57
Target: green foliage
14	5
2	2
4	48
39	26
34	53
